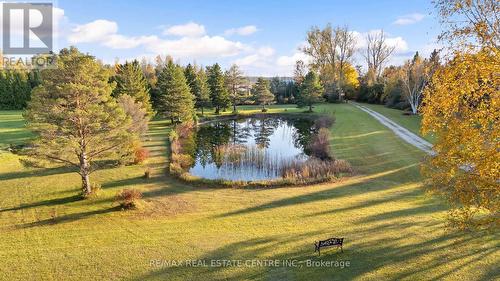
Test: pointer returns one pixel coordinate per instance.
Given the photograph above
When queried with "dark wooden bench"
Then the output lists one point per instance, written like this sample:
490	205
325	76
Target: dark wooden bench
328	243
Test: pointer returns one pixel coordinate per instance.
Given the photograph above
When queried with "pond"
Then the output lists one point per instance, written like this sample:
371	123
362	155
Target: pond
250	149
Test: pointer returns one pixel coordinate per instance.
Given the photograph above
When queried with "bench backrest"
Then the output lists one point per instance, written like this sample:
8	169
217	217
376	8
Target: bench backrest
331	242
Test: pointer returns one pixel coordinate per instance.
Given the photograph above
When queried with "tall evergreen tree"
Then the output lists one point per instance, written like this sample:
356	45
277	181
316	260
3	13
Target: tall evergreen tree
263	95
175	99
15	89
310	90
235	82
218	92
203	96
151	76
190	74
4	90
130	81
197	82
75	117
21	89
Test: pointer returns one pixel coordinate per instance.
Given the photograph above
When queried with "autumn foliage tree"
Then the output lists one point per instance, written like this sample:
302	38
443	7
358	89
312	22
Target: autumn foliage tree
462	108
415	75
470	23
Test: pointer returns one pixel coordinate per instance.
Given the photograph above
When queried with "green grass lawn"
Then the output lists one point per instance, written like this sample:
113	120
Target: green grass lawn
410	122
12	129
392	229
252	109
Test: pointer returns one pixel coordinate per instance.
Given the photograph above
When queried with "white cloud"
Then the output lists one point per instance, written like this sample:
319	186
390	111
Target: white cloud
202	47
261	58
60	22
409	19
398	42
118	41
190	29
289	61
105	32
243	31
96	31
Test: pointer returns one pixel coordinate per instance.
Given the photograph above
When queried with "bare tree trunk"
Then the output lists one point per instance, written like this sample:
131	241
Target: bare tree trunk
84	172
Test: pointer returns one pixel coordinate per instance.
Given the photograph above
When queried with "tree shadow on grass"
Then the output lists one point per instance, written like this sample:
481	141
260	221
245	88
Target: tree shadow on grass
347	189
369	203
68	218
37	172
157	186
43	172
253	249
373	256
46	203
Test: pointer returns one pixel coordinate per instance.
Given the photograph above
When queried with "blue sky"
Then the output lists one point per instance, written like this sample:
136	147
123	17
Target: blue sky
261	36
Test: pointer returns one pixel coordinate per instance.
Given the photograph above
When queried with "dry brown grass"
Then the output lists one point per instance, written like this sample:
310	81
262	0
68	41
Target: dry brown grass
316	169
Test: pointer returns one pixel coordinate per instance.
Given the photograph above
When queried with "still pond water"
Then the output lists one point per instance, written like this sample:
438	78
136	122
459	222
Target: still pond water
249	149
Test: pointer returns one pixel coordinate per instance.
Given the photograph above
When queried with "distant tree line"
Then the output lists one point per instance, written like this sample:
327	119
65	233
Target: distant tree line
331	50
16	86
399	87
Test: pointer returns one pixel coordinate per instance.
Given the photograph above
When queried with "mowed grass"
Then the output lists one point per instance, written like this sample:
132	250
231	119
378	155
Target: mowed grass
392	230
12	128
253	109
410	122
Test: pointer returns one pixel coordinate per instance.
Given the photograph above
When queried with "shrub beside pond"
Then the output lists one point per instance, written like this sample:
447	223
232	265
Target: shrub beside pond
181	143
320	145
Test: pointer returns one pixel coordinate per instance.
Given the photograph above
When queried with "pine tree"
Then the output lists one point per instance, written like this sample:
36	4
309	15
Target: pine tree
197	86
15	89
75	117
310	90
218	92
175	99
190	74
234	83
20	88
263	95
4	90
203	96
130	81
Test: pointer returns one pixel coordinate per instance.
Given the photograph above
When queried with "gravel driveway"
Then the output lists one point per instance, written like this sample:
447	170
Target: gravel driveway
401	132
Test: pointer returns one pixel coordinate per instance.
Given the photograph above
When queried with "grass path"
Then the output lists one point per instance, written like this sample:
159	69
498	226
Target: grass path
392	230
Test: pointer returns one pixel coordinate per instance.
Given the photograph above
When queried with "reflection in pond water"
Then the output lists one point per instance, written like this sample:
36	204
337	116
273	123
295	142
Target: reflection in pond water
250	149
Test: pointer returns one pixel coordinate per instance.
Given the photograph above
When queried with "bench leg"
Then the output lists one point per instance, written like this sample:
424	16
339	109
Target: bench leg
341	249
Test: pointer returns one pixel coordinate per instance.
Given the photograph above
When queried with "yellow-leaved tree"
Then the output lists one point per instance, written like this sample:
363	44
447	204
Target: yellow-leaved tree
461	107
